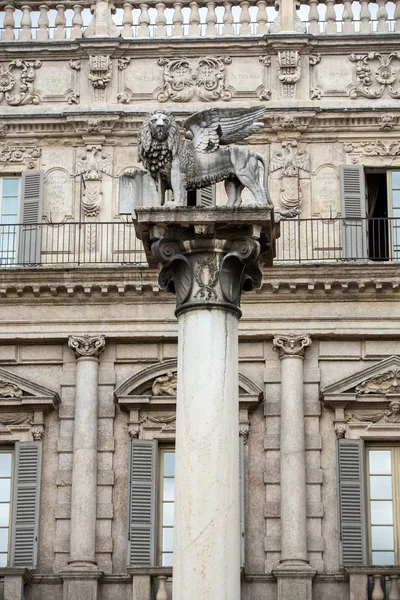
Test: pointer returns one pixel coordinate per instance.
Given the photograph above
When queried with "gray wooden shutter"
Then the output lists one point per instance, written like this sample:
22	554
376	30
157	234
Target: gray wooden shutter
241	490
206	196
352	509
30	234
142	503
26	501
354	211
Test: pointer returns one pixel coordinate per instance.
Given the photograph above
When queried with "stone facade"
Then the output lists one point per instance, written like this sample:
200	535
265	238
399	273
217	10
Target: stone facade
76	340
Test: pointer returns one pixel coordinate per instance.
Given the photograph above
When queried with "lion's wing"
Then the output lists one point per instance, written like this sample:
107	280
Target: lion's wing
216	127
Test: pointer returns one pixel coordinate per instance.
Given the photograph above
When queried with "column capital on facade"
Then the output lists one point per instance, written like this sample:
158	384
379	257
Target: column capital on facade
291	345
87	345
208	256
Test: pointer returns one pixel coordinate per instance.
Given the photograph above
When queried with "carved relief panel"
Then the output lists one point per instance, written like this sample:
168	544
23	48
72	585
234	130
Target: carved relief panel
17	82
58	195
377	75
58	81
330	76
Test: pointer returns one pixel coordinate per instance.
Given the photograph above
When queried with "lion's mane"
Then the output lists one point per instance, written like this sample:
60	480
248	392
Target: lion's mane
155	155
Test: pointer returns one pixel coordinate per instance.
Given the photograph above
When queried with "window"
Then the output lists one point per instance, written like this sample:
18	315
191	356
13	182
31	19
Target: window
383	506
370	201
9	207
151	482
167	494
6	468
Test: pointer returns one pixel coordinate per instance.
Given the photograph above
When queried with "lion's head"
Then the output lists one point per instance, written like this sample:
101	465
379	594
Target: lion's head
159	141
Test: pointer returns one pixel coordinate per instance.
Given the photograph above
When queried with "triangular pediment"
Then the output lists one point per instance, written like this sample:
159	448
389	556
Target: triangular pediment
383	378
16	391
158	381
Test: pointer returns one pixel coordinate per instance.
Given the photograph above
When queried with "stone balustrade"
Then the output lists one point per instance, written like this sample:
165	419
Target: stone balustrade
374	582
26	21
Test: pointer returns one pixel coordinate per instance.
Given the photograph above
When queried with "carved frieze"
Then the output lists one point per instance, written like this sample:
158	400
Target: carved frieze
291	345
383	383
19	154
289	71
100	73
375	74
373	148
386	122
185	79
161	422
87	345
391	415
165	385
16	82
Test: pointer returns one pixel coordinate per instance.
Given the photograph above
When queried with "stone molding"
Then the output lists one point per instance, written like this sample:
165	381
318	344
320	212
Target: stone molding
291	345
87	346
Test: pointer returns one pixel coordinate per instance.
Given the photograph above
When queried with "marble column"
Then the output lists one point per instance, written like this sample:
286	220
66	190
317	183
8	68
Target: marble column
84	462
208	256
294	563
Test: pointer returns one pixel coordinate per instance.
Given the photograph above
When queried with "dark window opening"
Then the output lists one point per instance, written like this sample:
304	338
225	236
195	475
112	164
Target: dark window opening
378	224
191	197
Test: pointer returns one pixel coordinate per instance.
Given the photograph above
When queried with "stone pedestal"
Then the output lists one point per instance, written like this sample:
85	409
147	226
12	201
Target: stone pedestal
293	574
14	582
208	256
80	580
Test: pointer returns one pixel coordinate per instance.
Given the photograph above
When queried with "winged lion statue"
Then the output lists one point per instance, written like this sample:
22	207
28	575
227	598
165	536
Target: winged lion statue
205	156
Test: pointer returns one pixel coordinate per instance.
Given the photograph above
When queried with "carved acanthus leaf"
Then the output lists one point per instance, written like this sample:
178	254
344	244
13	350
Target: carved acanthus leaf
373	148
165	385
186	78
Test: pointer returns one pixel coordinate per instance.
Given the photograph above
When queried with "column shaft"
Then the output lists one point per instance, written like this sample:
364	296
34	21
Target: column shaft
207	521
293	462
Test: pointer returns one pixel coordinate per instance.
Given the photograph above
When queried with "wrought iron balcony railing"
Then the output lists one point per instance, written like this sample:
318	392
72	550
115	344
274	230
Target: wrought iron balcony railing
302	241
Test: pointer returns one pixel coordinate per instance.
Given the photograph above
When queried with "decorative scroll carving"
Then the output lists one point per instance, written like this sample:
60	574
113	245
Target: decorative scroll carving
314	59
291	345
165	422
15	418
9	390
244	432
87	345
373	148
16	82
165	385
290	160
100	73
75	64
392	415
384	383
186	78
123	63
289	71
18	154
376	73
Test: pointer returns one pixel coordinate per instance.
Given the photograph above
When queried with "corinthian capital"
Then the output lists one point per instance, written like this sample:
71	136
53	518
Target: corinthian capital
291	345
87	345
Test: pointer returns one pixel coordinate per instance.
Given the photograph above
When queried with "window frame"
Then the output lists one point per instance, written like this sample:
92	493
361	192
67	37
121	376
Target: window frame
162	449
395	473
9	450
7	261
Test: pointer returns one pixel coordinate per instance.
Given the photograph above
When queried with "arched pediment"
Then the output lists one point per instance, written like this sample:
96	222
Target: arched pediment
156	386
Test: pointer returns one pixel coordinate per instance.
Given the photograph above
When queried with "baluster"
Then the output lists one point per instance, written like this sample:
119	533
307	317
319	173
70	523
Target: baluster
382	16
396	16
43	23
77	22
262	17
177	20
59	33
377	592
245	18
161	21
348	23
394	593
8	32
194	20
211	20
144	21
162	590
365	17
26	23
313	16
330	17
228	19
127	20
